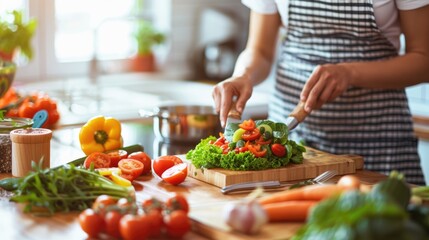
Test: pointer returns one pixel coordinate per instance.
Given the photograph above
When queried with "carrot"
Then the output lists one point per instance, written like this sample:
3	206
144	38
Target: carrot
292	211
311	192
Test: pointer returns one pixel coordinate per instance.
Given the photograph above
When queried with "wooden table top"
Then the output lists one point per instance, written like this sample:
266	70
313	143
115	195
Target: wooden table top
205	203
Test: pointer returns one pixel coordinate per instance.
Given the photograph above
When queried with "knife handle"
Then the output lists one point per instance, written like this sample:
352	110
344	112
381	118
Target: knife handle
299	113
233	113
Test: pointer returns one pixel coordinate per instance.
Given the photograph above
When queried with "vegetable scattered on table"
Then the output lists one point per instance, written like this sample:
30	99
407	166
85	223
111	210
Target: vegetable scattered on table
250	145
64	189
384	212
125	219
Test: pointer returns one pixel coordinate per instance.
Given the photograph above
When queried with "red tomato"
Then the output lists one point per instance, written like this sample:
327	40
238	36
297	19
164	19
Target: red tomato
177	223
163	163
27	109
256	150
152	204
177	202
278	150
100	160
91	223
112	220
124	203
251	135
116	156
248	125
144	158
135	226
131	167
176	174
129	177
102	202
156	223
220	141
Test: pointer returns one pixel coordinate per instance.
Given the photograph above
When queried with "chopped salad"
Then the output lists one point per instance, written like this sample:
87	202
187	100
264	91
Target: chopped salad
249	145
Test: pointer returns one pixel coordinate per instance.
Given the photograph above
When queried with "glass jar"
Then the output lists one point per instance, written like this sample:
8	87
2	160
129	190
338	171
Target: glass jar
6	126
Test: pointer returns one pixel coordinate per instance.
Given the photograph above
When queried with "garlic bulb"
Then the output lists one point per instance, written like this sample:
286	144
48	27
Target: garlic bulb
245	216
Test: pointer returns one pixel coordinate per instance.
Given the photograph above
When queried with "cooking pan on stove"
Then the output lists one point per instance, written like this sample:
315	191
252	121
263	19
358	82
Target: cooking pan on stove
183	123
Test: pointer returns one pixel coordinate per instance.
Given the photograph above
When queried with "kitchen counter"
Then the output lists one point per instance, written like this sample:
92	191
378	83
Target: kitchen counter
206	201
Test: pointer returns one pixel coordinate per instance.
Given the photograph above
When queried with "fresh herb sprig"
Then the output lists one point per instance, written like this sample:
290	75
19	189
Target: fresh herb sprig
64	189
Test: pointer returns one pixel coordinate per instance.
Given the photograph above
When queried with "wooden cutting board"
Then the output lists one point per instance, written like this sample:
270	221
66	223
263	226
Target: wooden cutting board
315	162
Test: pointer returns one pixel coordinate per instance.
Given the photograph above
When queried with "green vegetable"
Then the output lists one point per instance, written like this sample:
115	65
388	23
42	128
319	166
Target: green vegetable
206	155
395	188
265	128
64	189
379	214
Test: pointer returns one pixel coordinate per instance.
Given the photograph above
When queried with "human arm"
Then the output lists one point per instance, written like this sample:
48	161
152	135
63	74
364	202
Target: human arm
329	81
252	66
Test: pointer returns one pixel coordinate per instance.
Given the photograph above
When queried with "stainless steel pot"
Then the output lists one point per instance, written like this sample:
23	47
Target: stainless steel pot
183	123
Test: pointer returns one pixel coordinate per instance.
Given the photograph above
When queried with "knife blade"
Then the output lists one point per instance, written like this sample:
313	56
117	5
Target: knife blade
296	116
233	116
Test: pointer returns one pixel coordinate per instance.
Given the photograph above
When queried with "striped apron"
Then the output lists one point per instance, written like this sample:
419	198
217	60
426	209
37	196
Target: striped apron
373	123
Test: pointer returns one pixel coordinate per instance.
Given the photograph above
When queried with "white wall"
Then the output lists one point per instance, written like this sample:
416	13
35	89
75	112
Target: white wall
183	27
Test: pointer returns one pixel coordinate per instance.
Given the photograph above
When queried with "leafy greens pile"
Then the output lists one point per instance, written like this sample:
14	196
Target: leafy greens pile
207	155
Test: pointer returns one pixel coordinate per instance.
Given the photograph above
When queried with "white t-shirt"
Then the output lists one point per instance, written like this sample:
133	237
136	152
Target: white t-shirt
385	11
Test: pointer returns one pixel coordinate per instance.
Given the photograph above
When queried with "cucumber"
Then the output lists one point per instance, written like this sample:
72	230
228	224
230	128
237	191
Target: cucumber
265	128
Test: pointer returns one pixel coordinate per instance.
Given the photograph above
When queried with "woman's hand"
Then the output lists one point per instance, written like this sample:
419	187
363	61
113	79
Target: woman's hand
223	93
326	83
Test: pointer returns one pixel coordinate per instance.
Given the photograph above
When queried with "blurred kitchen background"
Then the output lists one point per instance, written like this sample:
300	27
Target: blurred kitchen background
83	53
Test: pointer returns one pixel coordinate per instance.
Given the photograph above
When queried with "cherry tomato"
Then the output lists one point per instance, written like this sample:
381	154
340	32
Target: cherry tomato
278	150
124	203
144	158
152	204
129	177
163	163
177	202
27	109
131	166
112	220
100	160
156	223
220	141
225	148
248	125
176	174
256	150
177	223
241	149
250	135
116	156
102	202
262	141
135	226
91	222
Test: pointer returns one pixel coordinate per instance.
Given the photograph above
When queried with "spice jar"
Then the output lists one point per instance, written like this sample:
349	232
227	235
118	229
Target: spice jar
30	145
6	126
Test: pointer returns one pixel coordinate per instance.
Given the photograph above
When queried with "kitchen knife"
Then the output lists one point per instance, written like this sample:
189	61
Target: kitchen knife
296	116
233	116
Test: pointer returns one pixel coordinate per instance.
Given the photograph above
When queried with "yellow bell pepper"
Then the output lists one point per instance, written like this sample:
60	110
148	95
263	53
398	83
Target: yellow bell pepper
100	134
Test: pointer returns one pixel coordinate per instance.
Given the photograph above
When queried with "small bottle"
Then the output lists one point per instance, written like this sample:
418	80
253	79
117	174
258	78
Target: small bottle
28	145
